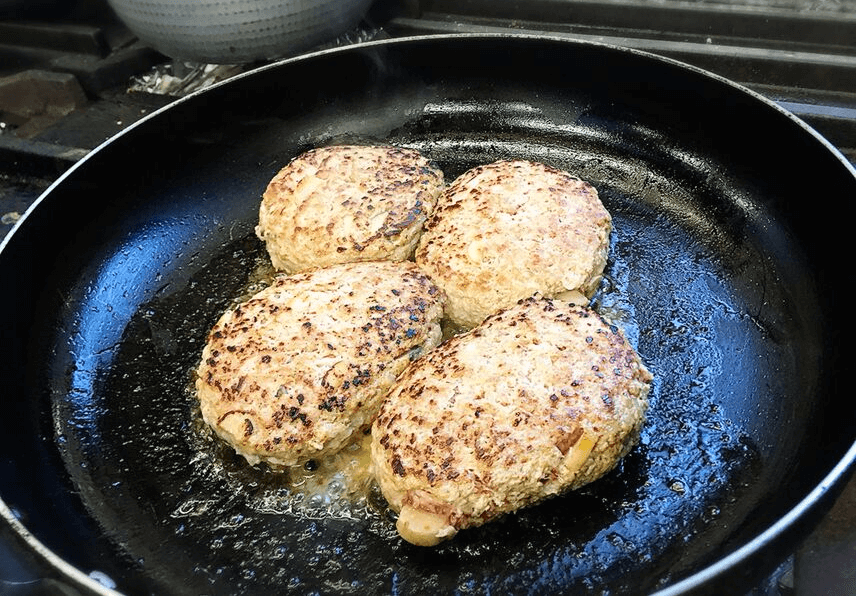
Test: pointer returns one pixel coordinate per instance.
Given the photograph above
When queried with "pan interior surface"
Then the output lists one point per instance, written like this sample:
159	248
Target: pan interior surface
710	274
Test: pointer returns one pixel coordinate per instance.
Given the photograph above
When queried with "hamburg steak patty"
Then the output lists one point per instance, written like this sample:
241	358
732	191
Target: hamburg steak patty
347	203
292	373
506	230
541	398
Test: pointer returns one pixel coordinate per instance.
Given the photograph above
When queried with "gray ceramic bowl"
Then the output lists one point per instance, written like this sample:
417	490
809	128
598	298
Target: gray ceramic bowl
237	31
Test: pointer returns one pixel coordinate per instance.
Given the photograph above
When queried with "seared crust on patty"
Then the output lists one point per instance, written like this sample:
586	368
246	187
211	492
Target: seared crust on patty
505	230
347	203
295	371
541	398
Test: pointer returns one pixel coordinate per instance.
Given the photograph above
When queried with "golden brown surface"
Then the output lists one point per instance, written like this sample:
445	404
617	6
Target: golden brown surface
506	230
343	203
293	372
541	398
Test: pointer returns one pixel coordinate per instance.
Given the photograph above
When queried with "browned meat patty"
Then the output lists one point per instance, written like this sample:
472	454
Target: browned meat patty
506	230
347	203
541	398
291	374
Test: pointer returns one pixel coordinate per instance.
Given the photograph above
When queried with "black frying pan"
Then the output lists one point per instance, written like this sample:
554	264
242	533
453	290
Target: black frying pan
725	269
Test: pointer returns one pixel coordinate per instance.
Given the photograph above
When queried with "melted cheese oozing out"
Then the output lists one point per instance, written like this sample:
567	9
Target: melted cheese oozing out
423	528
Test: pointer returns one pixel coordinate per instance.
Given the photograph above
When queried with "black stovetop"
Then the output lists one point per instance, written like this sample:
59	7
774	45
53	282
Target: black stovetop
103	80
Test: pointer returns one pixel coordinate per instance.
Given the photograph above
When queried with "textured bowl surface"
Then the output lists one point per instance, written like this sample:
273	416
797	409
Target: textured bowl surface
236	31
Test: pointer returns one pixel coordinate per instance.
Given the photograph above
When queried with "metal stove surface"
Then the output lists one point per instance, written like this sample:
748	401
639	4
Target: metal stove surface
83	63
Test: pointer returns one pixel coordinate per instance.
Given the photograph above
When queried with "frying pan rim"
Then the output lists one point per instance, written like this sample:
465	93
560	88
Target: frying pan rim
844	466
697	579
406	40
66	569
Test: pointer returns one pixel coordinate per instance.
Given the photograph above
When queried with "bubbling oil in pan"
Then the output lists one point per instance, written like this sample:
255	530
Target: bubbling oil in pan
341	486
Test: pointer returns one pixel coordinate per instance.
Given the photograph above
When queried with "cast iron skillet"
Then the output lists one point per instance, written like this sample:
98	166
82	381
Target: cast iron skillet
724	270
